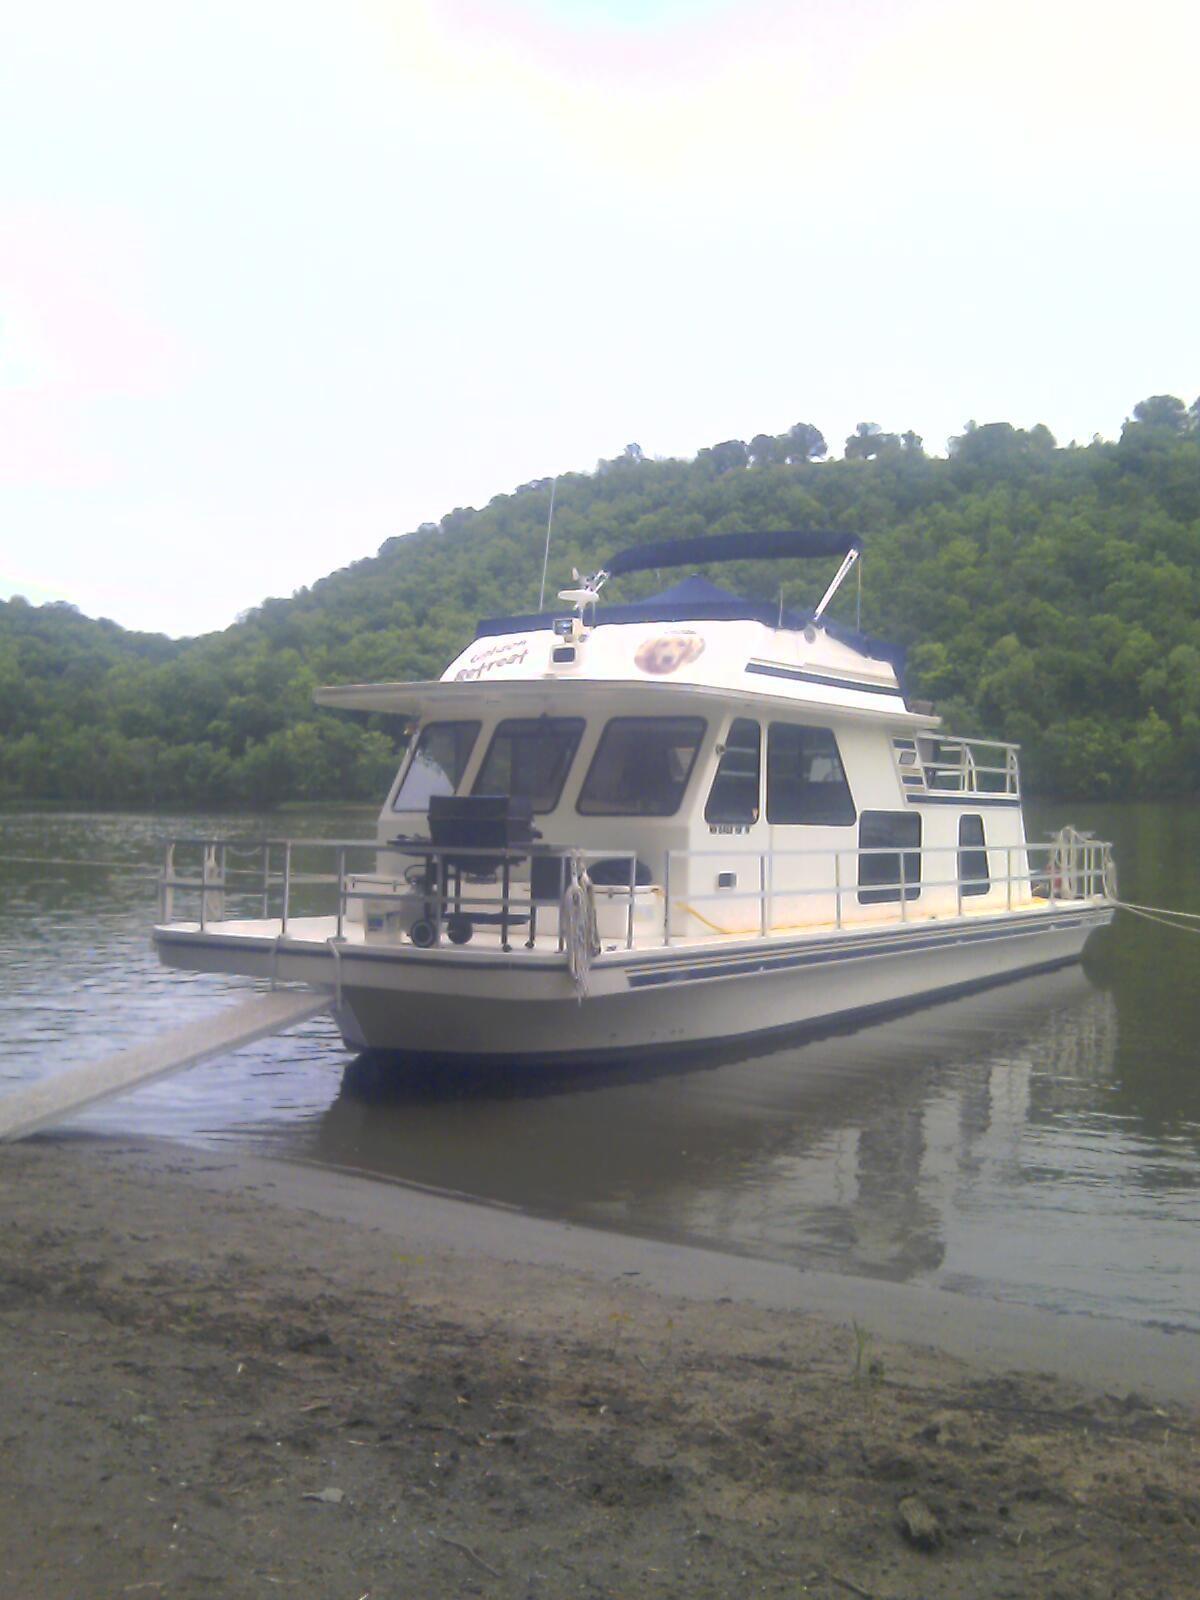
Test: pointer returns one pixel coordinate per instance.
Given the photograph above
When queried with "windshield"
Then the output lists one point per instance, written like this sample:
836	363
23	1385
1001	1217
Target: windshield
805	778
439	760
530	757
641	767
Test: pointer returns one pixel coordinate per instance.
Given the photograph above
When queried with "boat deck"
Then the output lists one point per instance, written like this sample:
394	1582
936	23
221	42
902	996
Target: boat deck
485	941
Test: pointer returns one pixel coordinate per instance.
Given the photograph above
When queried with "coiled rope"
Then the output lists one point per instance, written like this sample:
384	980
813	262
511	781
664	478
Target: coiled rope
577	918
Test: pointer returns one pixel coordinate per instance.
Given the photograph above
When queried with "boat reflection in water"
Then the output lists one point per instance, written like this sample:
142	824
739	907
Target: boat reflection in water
964	1144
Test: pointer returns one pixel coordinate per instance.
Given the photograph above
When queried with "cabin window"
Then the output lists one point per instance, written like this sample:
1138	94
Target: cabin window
641	767
530	757
734	793
890	833
806	781
972	857
439	760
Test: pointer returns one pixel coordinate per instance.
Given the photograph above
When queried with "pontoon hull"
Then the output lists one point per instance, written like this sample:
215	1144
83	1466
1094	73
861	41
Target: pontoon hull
446	1004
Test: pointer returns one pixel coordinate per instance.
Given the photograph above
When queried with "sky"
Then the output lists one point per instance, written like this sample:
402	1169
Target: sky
279	281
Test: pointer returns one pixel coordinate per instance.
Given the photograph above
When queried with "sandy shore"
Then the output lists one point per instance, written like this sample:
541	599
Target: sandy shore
225	1378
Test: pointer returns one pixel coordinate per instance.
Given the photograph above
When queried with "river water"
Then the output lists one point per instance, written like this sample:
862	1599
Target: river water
1038	1142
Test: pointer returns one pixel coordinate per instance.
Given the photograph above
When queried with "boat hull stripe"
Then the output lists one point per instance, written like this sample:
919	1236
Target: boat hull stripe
795	674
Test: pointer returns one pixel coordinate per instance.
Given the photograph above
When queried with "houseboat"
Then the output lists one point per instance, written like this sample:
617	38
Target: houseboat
661	824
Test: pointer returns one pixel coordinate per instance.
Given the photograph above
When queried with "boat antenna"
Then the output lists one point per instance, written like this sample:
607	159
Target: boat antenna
858	601
546	557
587	593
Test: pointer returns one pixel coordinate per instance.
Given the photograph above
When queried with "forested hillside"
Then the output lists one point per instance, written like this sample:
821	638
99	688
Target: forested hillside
1048	595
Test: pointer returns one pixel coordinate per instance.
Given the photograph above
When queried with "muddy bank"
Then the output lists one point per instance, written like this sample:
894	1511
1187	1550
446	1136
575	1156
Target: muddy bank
210	1388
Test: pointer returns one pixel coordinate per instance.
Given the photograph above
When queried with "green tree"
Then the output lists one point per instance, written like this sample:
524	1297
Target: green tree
868	442
1162	411
1049	596
803	442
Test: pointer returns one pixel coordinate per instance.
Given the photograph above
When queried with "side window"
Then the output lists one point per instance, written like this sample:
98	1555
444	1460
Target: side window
641	767
889	833
439	760
972	857
734	793
530	756
805	778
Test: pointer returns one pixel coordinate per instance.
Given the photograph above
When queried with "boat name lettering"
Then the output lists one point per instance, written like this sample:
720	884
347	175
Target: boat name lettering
497	655
729	827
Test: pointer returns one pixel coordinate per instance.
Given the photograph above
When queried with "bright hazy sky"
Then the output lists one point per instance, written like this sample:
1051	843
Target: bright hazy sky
280	280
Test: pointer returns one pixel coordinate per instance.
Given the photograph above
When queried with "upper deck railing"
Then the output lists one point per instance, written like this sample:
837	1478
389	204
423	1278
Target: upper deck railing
929	764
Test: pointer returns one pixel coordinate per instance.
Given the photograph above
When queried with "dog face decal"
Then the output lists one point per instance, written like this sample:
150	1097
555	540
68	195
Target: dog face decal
668	652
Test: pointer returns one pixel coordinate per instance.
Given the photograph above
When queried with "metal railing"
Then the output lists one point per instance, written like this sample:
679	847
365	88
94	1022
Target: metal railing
270	877
438	889
1076	868
452	890
937	764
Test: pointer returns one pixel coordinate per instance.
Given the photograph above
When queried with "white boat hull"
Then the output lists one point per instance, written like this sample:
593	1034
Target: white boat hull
523	1006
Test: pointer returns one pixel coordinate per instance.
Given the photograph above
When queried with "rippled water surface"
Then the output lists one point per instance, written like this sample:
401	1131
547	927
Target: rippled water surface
1038	1142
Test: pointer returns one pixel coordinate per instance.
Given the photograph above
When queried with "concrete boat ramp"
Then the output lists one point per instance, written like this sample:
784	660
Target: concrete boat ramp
56	1098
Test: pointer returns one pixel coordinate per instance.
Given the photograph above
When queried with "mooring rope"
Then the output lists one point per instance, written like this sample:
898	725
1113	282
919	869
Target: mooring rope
1160	914
104	866
1162	911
